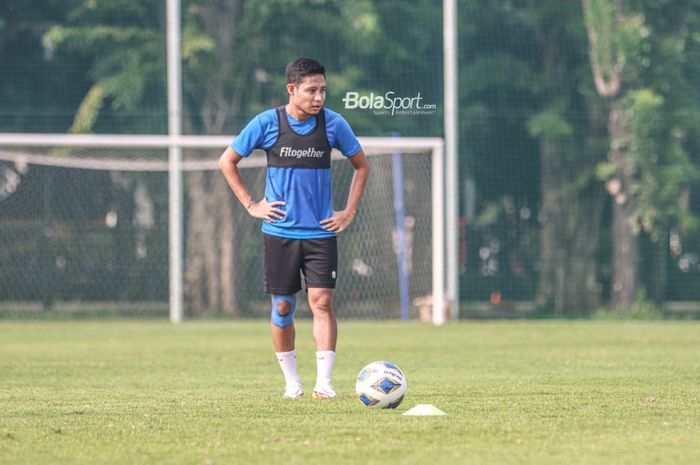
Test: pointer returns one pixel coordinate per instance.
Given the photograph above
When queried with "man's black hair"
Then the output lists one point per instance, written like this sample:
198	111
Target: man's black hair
302	67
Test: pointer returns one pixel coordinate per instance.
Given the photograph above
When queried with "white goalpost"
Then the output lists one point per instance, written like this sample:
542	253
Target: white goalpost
396	253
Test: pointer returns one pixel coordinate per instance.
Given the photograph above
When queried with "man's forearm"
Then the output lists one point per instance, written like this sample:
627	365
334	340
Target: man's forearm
359	180
235	181
357	188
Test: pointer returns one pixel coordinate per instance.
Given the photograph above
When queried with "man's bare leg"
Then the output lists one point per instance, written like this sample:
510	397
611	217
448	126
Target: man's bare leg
325	333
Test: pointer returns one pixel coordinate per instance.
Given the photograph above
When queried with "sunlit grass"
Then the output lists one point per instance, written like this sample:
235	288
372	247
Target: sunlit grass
139	392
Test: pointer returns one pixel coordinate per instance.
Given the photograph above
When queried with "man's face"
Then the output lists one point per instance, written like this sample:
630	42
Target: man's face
309	95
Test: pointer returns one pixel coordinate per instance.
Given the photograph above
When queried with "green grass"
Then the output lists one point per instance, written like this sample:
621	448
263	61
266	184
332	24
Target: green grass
140	392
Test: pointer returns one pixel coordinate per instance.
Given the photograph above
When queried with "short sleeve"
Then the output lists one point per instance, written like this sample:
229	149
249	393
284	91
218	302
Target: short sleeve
250	138
345	139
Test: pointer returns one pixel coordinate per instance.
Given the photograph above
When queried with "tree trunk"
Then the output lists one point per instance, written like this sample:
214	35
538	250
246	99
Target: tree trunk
549	294
571	210
607	62
211	232
626	242
195	270
583	266
47	261
210	246
226	236
569	237
659	276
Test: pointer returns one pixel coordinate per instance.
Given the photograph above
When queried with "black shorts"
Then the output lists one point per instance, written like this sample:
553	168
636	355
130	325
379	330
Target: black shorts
285	258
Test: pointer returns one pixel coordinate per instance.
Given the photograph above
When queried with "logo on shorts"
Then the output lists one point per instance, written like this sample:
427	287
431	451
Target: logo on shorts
333	274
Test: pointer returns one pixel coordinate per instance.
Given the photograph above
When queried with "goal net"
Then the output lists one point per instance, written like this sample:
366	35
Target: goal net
84	223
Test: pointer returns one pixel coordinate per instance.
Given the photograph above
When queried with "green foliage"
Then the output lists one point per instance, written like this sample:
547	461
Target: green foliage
633	40
234	55
661	165
549	124
617	44
604	170
489	215
524	81
499	69
89	110
642	309
90	39
656	110
601	17
196	45
124	46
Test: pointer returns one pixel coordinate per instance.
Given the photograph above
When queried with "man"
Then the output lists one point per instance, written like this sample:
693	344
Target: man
299	223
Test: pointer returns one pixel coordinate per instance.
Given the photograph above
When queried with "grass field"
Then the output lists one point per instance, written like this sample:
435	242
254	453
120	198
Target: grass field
135	392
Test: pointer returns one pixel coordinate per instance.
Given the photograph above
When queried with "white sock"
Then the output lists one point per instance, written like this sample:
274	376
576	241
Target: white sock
288	363
324	365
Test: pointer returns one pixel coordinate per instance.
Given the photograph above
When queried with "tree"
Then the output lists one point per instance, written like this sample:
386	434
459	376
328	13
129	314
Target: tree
234	53
572	201
532	137
611	36
234	68
647	166
498	89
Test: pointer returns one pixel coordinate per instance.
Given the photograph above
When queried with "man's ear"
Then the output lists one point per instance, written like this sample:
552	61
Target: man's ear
291	88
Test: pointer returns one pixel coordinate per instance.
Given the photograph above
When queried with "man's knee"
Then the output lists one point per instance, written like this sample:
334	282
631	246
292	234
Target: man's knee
283	307
322	301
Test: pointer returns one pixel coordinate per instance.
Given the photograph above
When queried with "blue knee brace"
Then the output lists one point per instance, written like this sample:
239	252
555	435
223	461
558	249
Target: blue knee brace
282	321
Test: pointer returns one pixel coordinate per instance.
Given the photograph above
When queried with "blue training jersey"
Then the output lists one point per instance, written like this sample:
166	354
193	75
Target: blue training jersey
307	192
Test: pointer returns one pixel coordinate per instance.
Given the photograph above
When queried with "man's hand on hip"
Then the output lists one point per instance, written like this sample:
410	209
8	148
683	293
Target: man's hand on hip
339	222
267	211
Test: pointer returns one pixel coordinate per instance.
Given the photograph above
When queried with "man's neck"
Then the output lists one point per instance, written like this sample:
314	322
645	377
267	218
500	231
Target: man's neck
295	113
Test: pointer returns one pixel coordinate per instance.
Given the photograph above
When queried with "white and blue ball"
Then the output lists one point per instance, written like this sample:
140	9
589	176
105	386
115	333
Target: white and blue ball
381	385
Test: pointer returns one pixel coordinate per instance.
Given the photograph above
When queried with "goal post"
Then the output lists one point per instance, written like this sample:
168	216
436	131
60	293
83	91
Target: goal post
370	249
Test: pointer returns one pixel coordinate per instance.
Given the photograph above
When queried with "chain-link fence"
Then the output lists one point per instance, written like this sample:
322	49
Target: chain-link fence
579	147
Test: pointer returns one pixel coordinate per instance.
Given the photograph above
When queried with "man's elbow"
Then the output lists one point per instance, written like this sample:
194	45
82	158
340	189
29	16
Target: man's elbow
366	169
225	162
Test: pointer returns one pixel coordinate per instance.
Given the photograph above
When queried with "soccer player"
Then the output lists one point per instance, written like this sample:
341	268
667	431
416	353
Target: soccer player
299	223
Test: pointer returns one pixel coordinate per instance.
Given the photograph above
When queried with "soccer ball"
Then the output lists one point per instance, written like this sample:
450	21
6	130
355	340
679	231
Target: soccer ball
381	385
